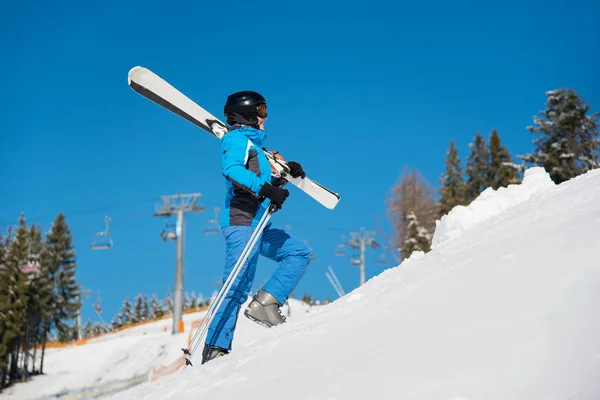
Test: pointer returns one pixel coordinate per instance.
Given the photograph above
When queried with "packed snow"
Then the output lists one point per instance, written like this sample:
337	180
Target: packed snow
505	306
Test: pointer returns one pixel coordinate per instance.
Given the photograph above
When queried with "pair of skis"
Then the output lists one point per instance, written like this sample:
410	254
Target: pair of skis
156	89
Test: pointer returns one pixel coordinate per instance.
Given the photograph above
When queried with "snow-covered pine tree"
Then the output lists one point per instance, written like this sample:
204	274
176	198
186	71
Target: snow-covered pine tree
138	311
193	300
417	238
187	301
88	329
127	312
569	141
99	329
477	168
156	309
145	309
502	171
168	304
453	189
117	321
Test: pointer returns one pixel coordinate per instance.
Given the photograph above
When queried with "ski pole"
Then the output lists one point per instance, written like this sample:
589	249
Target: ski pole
198	336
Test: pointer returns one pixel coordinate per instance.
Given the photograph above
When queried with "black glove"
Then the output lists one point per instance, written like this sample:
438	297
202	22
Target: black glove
276	194
279	182
296	170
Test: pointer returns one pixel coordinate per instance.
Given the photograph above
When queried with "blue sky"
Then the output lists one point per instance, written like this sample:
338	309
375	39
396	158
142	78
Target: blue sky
356	91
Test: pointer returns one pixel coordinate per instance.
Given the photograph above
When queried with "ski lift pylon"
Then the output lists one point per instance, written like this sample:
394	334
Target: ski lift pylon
103	240
212	225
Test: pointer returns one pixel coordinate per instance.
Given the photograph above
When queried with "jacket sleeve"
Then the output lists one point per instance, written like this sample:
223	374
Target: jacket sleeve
234	152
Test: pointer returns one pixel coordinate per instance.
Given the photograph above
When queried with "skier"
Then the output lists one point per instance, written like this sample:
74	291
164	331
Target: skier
250	189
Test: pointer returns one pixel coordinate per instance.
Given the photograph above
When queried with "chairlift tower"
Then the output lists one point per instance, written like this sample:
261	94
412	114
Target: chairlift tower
178	204
83	294
359	241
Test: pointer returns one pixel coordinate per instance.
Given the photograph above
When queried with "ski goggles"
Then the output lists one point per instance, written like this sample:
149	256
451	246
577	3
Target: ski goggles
261	110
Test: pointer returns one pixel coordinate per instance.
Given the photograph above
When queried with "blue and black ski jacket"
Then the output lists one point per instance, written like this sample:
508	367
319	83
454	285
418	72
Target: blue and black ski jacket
246	169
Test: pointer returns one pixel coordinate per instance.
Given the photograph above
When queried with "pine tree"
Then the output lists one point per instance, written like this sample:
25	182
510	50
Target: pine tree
193	300
168	301
187	301
59	256
99	329
13	301
502	171
145	309
417	238
155	308
117	321
127	312
570	141
67	333
477	168
453	189
88	329
138	313
39	294
412	194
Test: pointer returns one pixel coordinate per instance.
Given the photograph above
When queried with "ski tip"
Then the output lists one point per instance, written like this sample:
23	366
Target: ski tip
133	72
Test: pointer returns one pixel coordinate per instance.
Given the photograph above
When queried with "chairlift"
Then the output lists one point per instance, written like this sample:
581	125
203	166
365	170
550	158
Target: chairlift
340	249
355	258
98	308
102	240
169	232
382	259
212	226
32	266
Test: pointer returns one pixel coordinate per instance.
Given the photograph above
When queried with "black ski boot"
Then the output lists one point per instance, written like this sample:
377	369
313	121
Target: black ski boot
211	352
264	310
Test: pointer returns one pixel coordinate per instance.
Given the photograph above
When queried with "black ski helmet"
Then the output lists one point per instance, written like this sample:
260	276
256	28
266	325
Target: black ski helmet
244	107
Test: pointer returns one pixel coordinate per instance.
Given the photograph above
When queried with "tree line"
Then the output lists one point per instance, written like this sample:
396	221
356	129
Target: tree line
566	144
40	298
38	294
144	309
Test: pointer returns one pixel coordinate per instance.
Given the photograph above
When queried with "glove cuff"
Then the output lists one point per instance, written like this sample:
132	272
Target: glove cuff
266	189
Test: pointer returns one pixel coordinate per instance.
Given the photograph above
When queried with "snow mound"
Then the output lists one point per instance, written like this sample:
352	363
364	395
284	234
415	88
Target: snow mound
489	204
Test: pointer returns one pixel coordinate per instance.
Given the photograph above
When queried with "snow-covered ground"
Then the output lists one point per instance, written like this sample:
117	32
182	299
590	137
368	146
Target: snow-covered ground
123	355
504	307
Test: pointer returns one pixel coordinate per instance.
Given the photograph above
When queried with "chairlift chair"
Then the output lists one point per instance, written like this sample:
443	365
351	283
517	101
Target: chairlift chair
212	225
340	249
169	232
382	259
31	267
102	240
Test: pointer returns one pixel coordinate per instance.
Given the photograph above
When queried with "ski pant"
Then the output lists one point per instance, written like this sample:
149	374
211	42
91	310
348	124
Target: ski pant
293	257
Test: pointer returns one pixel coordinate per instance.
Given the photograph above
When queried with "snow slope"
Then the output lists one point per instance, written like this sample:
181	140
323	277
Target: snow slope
121	355
504	307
